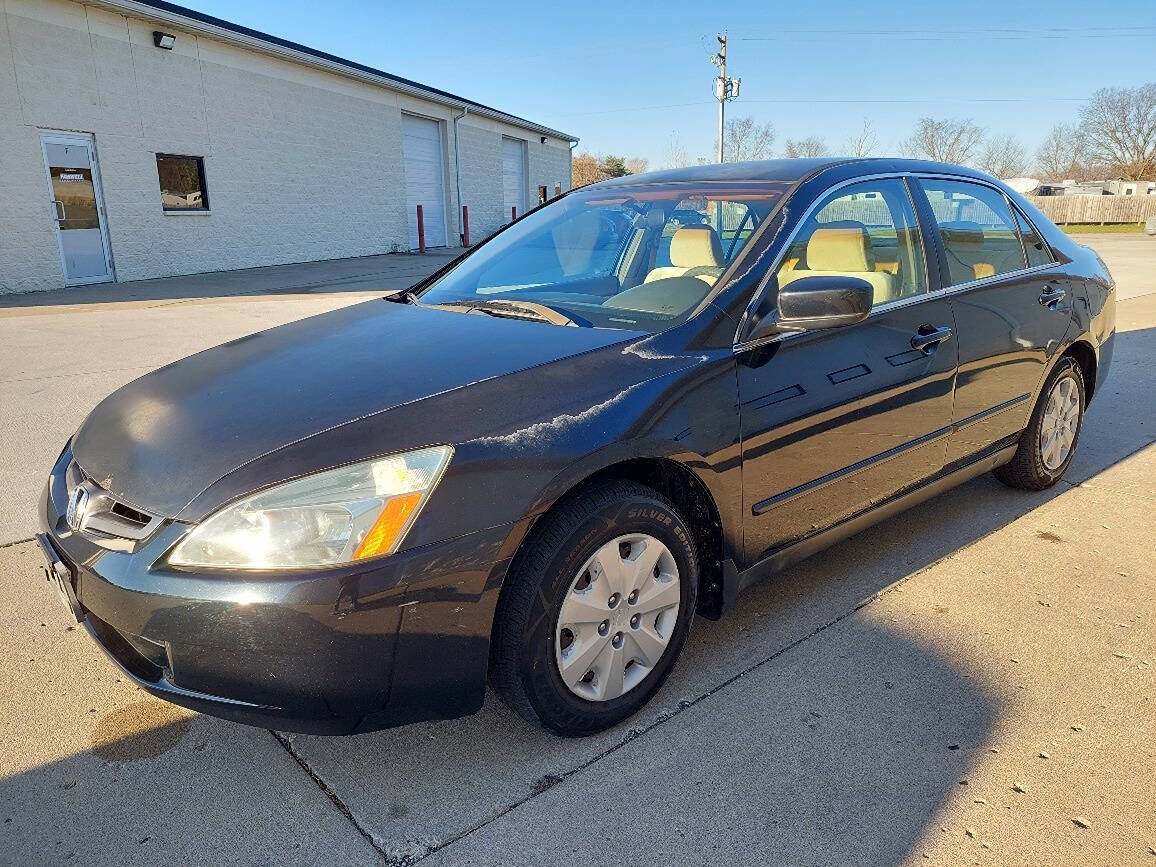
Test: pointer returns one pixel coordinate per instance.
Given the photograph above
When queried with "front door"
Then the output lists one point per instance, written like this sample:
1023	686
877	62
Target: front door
836	421
76	207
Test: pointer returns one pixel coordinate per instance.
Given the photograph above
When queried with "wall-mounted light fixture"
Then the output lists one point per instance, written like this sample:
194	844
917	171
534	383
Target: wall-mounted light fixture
164	40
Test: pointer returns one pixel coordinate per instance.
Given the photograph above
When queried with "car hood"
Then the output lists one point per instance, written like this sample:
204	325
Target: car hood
164	438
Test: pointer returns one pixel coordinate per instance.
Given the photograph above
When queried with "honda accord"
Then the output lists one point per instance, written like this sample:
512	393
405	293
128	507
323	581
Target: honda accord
535	468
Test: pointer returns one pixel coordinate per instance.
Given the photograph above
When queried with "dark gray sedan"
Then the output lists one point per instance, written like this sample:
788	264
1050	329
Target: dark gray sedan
538	465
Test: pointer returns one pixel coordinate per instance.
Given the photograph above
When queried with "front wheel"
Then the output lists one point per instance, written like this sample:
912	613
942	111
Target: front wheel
595	610
1048	443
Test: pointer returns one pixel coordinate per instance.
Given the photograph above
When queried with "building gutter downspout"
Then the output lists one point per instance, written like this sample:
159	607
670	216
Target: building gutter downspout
458	173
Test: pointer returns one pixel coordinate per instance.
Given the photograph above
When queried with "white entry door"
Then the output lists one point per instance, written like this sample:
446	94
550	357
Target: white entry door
77	207
513	176
424	179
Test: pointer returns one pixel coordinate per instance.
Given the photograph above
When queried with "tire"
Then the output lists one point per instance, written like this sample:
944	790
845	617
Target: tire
1034	468
558	567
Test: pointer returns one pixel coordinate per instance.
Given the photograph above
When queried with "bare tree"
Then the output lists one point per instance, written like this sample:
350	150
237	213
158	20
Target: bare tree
947	140
676	155
811	146
1004	157
862	143
745	139
1061	155
1118	125
637	165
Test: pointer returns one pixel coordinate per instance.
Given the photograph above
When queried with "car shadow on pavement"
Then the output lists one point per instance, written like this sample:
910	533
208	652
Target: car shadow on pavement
840	749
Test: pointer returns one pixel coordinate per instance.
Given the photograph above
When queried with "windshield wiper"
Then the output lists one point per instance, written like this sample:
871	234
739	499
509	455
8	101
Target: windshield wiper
510	309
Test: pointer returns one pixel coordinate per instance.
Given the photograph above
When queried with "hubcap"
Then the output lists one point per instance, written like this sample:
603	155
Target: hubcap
617	617
1058	427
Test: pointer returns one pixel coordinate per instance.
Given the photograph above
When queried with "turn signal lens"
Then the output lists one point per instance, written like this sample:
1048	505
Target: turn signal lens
388	526
326	519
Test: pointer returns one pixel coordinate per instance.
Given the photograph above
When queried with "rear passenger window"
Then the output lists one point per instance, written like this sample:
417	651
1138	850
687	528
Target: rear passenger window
867	231
978	233
1034	246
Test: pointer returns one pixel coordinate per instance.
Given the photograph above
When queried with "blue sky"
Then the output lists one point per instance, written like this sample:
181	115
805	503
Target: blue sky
628	77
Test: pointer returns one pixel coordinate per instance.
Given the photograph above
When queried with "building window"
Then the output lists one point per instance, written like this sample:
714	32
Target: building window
182	181
543	194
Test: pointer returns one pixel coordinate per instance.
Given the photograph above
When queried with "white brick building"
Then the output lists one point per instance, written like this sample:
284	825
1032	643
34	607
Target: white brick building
123	159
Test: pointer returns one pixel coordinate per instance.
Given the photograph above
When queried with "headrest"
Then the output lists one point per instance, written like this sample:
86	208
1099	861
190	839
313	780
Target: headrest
695	245
575	240
840	249
962	232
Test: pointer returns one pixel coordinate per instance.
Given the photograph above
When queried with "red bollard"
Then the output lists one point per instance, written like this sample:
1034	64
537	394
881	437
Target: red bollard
513	213
420	231
465	225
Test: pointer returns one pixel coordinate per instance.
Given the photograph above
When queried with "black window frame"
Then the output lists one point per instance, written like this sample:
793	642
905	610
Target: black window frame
200	161
1046	248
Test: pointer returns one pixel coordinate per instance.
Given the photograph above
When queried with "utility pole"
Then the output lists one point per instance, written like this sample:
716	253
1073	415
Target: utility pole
725	89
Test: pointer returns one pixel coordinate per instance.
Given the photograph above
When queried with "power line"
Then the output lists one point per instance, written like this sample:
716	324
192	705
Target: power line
949	30
950	35
635	108
937	99
840	101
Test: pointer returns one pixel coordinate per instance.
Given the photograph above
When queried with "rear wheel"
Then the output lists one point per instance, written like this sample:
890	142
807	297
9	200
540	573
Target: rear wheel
1048	443
595	610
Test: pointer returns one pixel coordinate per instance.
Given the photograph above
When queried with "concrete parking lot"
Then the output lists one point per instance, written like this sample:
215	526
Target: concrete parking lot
972	681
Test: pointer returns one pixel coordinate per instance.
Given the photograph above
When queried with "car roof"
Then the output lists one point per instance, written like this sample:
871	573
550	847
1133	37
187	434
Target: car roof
784	170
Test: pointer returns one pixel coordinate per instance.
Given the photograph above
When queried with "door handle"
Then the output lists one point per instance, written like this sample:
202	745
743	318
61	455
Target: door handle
58	207
1051	296
926	339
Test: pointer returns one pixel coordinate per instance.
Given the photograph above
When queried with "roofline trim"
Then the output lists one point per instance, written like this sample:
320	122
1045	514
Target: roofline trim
227	31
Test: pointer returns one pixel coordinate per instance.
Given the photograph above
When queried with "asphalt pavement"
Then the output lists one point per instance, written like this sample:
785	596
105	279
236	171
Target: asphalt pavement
969	682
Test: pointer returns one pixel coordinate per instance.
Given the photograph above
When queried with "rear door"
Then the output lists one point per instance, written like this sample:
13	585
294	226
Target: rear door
1012	303
835	421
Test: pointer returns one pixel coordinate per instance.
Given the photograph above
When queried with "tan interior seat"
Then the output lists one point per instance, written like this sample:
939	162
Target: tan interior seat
691	247
844	250
967	258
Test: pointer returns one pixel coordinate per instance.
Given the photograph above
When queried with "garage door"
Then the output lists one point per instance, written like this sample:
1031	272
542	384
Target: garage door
514	176
424	178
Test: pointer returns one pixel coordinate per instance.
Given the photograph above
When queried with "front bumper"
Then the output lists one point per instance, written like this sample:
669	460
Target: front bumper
334	651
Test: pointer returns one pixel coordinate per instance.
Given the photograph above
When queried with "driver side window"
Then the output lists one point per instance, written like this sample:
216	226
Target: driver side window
868	231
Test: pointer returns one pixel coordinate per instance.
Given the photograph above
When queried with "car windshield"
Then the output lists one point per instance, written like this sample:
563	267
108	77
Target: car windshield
636	257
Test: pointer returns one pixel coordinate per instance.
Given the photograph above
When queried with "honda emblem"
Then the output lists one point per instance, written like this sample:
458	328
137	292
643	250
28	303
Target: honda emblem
77	506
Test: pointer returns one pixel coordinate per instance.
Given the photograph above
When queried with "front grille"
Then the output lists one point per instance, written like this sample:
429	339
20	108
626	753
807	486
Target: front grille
130	514
107	521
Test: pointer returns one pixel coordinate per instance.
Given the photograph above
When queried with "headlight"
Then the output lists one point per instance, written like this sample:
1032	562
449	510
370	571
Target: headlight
333	517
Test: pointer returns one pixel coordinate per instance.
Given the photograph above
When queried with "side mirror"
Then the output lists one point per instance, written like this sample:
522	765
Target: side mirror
812	303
